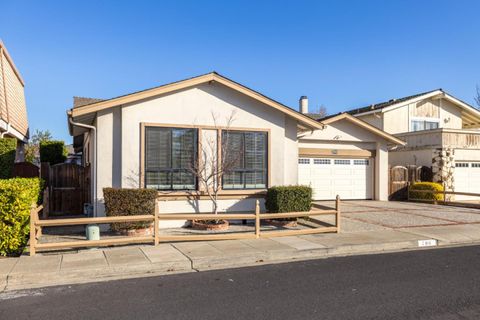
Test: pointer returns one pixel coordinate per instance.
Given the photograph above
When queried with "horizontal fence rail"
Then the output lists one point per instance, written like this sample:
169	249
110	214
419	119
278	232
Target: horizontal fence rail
445	199
36	227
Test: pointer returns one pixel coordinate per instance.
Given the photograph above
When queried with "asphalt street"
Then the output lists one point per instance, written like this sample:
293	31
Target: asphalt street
427	284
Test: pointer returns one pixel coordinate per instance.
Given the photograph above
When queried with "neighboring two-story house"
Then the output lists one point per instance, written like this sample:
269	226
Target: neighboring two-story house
440	131
13	110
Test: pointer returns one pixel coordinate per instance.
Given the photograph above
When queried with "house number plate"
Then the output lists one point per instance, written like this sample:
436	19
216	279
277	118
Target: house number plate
427	243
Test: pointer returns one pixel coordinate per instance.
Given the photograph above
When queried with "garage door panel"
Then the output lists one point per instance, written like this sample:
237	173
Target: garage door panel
467	179
349	178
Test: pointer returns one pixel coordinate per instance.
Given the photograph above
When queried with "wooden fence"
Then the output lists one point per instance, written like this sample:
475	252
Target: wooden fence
36	227
401	176
26	170
69	188
445	200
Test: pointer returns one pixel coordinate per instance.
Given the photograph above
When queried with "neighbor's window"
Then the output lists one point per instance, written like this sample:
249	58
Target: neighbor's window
245	155
170	155
418	125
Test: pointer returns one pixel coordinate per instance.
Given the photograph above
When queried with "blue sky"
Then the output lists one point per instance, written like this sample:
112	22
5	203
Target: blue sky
342	54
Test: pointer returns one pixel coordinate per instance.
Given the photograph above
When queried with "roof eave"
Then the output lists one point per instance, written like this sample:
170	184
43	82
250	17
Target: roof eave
213	76
366	126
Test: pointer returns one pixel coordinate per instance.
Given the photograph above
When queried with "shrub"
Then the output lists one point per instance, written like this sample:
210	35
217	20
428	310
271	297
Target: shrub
289	199
16	199
432	186
128	202
8	147
53	151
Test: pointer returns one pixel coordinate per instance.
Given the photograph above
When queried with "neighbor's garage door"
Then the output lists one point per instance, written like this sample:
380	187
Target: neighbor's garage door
467	178
348	178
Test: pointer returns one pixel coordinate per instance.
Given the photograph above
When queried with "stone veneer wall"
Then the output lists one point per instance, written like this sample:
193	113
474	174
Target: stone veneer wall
443	167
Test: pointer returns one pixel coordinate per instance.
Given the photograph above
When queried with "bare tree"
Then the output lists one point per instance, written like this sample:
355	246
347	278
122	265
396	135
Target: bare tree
477	97
320	111
215	161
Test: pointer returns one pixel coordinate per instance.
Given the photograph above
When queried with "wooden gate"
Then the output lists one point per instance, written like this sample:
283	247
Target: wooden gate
398	183
68	185
400	176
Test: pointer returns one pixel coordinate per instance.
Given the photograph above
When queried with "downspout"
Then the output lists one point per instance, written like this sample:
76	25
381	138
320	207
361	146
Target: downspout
94	130
5	132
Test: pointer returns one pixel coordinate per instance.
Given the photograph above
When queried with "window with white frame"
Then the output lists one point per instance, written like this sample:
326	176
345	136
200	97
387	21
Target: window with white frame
419	124
303	161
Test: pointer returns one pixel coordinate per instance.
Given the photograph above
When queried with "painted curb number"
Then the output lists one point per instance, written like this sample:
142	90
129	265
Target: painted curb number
427	243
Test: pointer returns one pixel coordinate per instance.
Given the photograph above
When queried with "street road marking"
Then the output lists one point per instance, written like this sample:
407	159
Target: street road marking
427	243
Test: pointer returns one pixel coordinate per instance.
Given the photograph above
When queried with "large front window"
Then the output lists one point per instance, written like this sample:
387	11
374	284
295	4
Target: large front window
170	155
418	125
245	155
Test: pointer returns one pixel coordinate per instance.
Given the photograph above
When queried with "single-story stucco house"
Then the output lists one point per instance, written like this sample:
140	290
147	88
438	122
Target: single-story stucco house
146	139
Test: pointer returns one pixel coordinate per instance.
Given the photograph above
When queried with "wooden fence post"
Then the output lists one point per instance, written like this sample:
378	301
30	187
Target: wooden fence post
46	199
337	215
33	236
257	219
408	191
156	224
444	192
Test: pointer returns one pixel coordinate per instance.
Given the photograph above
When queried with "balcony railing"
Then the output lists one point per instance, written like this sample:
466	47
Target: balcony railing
442	138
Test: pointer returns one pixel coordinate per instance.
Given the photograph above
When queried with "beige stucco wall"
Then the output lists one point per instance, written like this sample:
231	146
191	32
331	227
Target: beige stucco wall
412	157
344	134
119	134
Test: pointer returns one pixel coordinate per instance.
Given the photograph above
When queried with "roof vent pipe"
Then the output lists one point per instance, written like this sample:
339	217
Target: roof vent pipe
303	103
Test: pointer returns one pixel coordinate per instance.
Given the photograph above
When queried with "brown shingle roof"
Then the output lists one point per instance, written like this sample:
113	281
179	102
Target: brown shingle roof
381	105
82	101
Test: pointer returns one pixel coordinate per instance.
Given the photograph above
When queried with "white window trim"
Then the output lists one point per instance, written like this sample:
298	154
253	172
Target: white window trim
429	119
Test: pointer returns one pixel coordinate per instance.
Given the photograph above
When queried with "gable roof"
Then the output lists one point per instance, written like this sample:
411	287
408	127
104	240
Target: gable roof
470	114
93	107
385	104
345	116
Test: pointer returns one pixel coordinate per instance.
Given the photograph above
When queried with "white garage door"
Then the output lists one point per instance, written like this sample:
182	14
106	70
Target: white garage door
467	178
349	178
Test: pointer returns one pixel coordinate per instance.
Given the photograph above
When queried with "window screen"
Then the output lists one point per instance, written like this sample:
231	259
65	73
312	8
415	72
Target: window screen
170	155
245	160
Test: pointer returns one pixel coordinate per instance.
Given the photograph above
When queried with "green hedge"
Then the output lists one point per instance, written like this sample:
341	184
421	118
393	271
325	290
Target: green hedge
128	202
16	199
8	147
289	199
53	151
433	186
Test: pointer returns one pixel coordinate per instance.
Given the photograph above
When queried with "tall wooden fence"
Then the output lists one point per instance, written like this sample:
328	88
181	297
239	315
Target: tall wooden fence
25	170
401	176
68	186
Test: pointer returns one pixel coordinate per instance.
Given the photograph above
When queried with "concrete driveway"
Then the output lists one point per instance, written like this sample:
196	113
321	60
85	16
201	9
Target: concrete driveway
368	215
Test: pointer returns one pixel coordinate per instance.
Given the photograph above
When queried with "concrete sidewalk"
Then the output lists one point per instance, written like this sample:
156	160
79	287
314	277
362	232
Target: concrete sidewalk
135	261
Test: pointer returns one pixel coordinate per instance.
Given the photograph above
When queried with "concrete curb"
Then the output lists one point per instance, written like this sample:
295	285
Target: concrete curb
17	281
